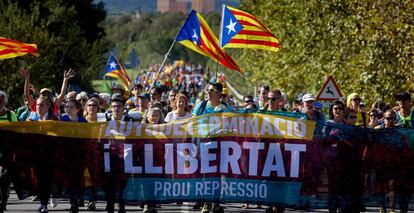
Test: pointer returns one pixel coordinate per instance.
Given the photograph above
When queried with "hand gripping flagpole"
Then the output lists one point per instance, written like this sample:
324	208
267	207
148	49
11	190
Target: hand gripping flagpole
162	64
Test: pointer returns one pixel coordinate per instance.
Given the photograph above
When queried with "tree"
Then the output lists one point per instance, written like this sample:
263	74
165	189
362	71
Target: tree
66	35
368	46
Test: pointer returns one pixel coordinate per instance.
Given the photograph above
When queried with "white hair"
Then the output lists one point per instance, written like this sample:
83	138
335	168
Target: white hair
106	97
82	95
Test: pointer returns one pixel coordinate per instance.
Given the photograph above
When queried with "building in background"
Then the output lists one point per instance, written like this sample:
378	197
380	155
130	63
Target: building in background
172	6
154	6
203	6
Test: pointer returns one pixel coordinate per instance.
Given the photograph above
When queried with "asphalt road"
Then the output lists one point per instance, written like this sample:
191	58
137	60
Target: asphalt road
27	205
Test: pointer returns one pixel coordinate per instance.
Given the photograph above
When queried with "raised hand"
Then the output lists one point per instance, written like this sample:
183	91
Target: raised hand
68	74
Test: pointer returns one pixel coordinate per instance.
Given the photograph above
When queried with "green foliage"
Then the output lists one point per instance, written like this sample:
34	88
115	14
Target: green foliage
152	35
368	46
66	36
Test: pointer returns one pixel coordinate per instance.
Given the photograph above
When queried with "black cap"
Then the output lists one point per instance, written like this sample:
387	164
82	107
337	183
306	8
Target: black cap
117	97
403	96
93	95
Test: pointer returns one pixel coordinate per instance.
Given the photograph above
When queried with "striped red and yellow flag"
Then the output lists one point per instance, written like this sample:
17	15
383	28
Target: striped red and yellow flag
11	48
115	69
242	30
197	35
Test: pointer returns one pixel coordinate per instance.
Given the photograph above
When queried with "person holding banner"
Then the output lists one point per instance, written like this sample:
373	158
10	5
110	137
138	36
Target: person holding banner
153	116
180	109
115	178
390	164
75	154
43	166
211	105
331	154
5	116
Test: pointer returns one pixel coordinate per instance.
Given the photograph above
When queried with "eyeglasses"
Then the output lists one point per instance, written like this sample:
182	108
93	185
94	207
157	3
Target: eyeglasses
389	118
337	108
352	117
273	99
211	90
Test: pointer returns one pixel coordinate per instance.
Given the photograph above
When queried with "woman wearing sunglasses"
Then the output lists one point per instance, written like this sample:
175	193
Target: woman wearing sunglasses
389	162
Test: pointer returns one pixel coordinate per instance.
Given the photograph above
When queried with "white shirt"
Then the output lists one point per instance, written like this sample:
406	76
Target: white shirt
171	116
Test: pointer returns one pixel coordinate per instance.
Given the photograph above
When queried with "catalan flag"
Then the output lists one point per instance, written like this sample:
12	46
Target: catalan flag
114	69
197	35
10	48
239	29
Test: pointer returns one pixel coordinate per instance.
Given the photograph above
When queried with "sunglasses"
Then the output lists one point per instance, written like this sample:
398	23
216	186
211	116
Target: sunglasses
389	118
211	90
91	105
352	117
248	101
273	99
373	115
356	99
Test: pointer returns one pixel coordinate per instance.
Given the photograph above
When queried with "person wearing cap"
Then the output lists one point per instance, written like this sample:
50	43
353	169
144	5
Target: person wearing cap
353	101
309	109
67	75
297	103
405	114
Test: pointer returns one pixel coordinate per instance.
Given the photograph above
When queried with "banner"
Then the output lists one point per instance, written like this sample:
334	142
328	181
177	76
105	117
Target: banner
223	157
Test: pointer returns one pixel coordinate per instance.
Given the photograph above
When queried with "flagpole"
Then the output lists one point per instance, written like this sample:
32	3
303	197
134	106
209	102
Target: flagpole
162	64
220	36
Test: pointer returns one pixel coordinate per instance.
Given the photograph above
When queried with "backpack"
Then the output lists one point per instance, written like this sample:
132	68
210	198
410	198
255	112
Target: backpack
203	107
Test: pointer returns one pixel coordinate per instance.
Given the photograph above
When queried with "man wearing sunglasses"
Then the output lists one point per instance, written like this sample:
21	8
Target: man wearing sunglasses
404	115
213	103
274	100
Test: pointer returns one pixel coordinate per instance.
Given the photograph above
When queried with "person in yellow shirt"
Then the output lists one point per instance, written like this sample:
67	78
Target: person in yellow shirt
353	101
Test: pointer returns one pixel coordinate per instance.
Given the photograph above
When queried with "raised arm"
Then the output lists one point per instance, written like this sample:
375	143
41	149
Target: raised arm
68	74
26	75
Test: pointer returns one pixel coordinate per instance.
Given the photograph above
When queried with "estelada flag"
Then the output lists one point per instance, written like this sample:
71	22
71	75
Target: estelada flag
115	69
197	35
239	29
11	48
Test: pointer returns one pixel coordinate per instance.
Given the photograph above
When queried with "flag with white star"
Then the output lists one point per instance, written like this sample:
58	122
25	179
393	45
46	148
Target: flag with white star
230	27
114	69
239	29
197	35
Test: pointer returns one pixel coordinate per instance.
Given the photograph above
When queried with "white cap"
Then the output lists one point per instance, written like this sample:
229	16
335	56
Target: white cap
308	97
